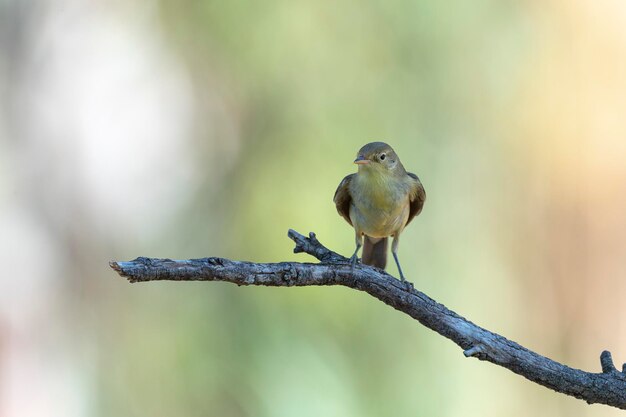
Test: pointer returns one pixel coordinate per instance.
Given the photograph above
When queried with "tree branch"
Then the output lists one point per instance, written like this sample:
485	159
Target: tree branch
606	387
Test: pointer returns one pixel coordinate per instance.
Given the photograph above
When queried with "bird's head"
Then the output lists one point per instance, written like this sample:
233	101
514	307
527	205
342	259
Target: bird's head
377	157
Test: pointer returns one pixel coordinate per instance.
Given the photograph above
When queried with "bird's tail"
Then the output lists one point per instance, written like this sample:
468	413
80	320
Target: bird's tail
375	254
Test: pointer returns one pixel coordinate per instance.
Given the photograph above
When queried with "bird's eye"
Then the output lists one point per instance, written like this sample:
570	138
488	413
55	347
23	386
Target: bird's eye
382	156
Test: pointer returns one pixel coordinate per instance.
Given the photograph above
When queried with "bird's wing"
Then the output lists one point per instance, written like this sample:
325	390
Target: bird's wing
418	196
343	198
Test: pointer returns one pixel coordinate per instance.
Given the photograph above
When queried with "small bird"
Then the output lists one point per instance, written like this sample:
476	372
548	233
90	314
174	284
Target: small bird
379	201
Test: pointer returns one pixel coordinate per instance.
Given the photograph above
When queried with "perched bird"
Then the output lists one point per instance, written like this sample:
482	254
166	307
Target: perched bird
379	201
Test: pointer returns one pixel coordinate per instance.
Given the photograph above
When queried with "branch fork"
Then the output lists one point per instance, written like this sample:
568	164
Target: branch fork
606	387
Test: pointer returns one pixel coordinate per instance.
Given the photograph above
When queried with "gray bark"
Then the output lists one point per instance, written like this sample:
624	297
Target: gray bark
606	387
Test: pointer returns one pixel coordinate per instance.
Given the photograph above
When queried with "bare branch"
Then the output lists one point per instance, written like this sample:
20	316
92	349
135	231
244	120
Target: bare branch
606	387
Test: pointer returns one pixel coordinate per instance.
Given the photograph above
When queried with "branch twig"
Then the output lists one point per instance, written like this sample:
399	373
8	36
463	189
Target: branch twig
606	387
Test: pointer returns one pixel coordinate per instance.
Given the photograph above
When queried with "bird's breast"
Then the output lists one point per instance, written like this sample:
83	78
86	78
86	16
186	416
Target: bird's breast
379	208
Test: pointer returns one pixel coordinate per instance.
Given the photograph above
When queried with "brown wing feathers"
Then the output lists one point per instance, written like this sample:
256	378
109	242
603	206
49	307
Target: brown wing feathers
417	199
343	198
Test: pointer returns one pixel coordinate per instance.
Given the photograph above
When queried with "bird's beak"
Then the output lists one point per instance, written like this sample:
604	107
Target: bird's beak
360	160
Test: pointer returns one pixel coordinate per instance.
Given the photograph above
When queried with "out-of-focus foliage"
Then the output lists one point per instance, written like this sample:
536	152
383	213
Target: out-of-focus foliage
191	129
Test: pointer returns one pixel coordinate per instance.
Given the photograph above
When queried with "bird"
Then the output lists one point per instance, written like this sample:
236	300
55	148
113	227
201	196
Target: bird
379	201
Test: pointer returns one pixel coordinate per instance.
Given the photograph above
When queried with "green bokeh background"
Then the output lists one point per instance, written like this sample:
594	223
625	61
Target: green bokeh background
510	113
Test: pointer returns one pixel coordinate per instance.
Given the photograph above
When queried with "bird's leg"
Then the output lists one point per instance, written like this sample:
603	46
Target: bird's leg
359	242
394	251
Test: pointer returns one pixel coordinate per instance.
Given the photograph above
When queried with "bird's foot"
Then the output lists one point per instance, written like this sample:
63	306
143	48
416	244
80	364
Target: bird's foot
408	285
354	260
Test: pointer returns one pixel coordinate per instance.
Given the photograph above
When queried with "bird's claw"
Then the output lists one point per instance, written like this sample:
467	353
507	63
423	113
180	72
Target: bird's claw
408	285
354	260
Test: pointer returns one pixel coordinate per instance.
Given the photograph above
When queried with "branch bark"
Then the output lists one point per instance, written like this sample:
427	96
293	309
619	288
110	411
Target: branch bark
606	387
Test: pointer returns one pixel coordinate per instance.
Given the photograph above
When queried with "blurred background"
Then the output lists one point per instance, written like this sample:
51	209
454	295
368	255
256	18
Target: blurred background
200	128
